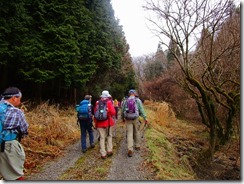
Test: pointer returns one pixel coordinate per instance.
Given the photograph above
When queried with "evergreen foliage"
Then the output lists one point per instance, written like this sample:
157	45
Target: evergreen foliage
52	48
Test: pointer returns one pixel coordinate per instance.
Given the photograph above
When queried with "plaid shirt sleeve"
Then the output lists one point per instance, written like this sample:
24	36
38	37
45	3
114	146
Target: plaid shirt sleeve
15	119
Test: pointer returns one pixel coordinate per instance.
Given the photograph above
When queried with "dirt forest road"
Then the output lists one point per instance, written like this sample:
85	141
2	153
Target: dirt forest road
123	167
53	169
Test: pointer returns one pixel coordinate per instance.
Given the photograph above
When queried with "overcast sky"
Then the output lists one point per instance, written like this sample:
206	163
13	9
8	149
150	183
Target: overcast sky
132	18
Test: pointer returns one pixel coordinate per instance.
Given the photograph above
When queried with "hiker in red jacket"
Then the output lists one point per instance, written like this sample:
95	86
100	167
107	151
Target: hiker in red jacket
103	113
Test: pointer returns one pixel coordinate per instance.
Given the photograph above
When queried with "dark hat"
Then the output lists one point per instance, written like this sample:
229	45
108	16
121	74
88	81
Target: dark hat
12	91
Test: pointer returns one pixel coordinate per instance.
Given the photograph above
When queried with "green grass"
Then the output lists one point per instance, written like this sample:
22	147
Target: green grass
163	157
89	167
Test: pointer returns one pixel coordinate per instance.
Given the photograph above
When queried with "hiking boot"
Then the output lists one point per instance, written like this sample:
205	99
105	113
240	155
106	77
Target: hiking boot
93	145
130	153
110	153
20	178
103	157
84	150
137	148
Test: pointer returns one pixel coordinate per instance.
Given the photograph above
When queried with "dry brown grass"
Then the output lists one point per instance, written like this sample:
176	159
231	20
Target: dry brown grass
160	114
164	119
51	130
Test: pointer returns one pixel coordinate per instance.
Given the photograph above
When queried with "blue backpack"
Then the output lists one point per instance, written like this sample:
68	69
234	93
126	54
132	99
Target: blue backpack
84	110
5	135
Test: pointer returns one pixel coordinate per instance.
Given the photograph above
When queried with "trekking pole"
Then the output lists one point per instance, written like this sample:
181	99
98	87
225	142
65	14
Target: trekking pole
144	127
78	123
142	124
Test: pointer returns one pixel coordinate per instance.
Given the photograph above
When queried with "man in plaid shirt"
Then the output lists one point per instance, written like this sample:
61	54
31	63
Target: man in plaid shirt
12	155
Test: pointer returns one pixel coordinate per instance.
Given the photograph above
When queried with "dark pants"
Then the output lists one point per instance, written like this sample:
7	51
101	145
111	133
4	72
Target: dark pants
117	111
86	126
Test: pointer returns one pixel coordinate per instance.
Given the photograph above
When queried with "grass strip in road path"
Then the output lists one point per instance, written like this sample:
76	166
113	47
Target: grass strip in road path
91	166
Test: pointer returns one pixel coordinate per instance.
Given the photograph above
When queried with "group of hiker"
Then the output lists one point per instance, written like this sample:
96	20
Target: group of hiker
104	115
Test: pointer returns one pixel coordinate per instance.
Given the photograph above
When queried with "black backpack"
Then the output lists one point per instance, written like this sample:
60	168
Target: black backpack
101	113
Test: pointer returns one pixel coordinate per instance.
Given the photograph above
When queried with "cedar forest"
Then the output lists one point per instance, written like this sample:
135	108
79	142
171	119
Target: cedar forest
50	49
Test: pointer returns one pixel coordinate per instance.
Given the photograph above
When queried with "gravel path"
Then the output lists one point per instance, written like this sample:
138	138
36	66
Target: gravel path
123	167
127	168
54	169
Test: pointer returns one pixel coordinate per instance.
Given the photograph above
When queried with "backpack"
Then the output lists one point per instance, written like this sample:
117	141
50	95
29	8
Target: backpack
5	135
131	110
101	113
116	103
84	110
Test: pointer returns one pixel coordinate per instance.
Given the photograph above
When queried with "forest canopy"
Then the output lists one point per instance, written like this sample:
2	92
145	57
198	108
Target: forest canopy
63	49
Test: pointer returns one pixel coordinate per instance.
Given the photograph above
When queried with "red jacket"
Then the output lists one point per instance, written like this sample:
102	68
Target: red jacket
111	112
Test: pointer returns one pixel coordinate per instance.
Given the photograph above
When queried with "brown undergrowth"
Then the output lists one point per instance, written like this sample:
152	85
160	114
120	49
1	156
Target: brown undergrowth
51	130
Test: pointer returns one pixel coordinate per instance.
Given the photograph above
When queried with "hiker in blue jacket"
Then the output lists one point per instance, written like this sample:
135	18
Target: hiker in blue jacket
86	122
